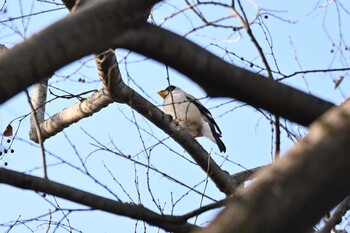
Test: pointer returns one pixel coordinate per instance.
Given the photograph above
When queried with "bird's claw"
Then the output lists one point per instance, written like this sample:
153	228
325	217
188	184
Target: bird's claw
178	120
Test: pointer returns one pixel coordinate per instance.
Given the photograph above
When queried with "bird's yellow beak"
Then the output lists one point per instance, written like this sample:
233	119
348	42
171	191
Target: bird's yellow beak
163	93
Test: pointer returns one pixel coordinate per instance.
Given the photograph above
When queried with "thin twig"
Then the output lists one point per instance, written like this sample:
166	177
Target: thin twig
245	23
138	212
171	93
49	223
38	131
205	208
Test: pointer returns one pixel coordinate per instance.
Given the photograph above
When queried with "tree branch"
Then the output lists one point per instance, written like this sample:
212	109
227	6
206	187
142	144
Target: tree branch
59	121
167	222
240	177
178	52
298	189
72	114
336	217
220	79
34	122
68	40
110	76
39	102
72	38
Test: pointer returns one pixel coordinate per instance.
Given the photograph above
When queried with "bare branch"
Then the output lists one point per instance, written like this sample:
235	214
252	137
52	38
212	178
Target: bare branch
167	222
240	177
63	37
37	116
205	208
220	79
217	77
72	114
283	189
56	125
336	216
109	73
167	47
245	23
36	125
39	101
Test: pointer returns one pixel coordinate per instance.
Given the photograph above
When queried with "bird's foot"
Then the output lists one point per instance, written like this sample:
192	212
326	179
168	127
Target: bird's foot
178	120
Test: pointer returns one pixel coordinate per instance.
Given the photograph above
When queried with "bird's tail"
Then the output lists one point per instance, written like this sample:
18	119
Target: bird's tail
220	144
214	137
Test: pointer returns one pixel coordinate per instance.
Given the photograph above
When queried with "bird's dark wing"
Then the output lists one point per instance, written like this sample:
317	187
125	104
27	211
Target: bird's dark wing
204	111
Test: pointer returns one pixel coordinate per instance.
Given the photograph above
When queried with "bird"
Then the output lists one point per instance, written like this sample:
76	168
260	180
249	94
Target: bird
189	113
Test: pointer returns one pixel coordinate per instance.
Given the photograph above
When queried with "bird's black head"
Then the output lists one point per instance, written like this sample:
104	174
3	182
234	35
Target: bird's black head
170	88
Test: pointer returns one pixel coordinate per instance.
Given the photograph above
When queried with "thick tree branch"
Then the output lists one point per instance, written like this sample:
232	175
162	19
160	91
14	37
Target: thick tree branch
115	88
111	78
72	38
205	69
37	117
67	40
297	190
65	118
220	79
72	114
167	222
39	101
240	177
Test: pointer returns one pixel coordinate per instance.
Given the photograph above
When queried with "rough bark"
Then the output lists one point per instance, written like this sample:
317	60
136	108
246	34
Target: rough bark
296	191
220	79
85	32
72	38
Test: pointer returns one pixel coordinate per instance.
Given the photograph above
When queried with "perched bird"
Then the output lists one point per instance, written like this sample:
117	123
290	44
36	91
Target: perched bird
191	115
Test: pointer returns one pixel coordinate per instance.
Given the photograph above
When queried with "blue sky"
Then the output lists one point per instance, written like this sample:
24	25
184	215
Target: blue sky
302	43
